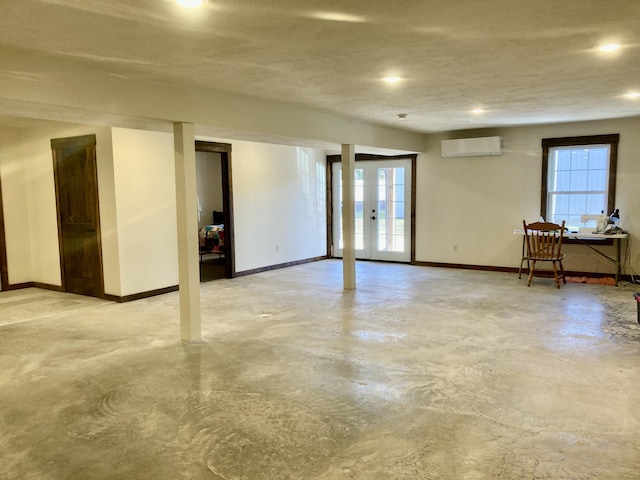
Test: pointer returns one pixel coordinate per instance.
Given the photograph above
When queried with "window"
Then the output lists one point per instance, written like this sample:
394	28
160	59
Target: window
578	178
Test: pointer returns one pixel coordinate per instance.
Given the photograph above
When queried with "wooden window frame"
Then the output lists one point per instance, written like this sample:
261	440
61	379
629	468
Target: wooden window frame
611	139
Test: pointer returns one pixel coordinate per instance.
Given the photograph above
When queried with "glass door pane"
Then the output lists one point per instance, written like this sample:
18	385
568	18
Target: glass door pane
390	231
361	227
382	213
359	197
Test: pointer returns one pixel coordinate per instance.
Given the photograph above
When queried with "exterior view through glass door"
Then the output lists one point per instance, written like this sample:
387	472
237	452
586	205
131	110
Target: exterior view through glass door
382	193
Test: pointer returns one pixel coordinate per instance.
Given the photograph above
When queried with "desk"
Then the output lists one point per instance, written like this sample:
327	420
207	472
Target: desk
583	237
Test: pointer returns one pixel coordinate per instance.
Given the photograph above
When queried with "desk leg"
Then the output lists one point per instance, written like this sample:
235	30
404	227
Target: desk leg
618	266
522	260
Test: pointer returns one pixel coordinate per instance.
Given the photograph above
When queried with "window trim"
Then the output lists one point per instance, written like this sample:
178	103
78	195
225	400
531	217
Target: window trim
611	139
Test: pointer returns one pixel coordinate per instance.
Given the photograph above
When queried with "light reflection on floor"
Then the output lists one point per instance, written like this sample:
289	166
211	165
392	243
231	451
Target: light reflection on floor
378	336
581	327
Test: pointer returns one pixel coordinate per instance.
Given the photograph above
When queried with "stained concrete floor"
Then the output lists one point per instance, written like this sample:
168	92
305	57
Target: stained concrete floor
419	374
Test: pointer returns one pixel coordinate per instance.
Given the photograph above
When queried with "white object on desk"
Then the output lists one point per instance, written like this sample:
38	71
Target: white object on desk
601	223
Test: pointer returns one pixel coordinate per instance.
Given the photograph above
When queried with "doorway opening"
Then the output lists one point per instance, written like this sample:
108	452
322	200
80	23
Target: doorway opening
384	195
215	210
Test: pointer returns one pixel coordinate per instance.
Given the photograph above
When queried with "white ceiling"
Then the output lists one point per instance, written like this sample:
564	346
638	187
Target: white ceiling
524	62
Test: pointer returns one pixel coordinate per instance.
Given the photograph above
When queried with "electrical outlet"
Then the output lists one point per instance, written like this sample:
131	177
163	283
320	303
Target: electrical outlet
455	248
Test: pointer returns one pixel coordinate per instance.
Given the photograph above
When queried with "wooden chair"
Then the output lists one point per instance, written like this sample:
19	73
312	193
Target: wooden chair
544	244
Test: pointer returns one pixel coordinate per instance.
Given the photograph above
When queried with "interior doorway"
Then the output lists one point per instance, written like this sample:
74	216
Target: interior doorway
384	208
215	210
76	186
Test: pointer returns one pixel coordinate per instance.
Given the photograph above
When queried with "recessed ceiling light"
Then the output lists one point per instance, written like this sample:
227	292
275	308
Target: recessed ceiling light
632	95
189	3
477	111
610	47
338	17
391	79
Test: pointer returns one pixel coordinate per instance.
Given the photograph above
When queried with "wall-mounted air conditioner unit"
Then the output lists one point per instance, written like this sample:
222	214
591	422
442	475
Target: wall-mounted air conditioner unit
472	147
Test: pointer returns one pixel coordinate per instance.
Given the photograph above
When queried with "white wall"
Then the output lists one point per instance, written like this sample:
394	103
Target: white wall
137	206
145	193
477	202
209	182
31	225
16	206
279	200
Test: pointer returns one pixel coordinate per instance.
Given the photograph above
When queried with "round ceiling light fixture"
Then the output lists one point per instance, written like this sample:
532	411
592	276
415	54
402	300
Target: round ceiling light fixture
609	47
338	17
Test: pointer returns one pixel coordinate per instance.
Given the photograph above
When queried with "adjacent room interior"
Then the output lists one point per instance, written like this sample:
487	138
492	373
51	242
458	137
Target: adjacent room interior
210	216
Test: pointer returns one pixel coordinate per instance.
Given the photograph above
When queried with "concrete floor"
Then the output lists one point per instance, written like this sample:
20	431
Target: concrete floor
419	374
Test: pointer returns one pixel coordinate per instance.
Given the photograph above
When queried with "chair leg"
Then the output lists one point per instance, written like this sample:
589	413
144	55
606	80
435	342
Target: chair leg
531	269
555	275
520	269
564	278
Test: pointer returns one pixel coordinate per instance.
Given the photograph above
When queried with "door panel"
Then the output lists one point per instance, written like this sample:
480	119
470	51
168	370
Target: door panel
78	215
392	224
382	210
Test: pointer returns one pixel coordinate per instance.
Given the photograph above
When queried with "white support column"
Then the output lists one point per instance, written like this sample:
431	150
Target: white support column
348	218
187	210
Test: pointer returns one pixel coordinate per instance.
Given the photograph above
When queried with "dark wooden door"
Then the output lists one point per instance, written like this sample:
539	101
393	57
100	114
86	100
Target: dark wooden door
76	183
4	273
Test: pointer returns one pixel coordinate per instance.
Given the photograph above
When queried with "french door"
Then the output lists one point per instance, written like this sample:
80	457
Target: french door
382	195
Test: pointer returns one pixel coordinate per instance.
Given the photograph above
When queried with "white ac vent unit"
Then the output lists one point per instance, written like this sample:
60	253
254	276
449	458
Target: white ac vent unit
472	147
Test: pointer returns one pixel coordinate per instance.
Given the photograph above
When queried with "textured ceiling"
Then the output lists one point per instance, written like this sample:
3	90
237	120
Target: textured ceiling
524	62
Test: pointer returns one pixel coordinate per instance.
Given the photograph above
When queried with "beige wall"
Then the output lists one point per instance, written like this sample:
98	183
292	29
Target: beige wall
16	206
279	199
145	195
31	227
477	202
30	207
279	202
